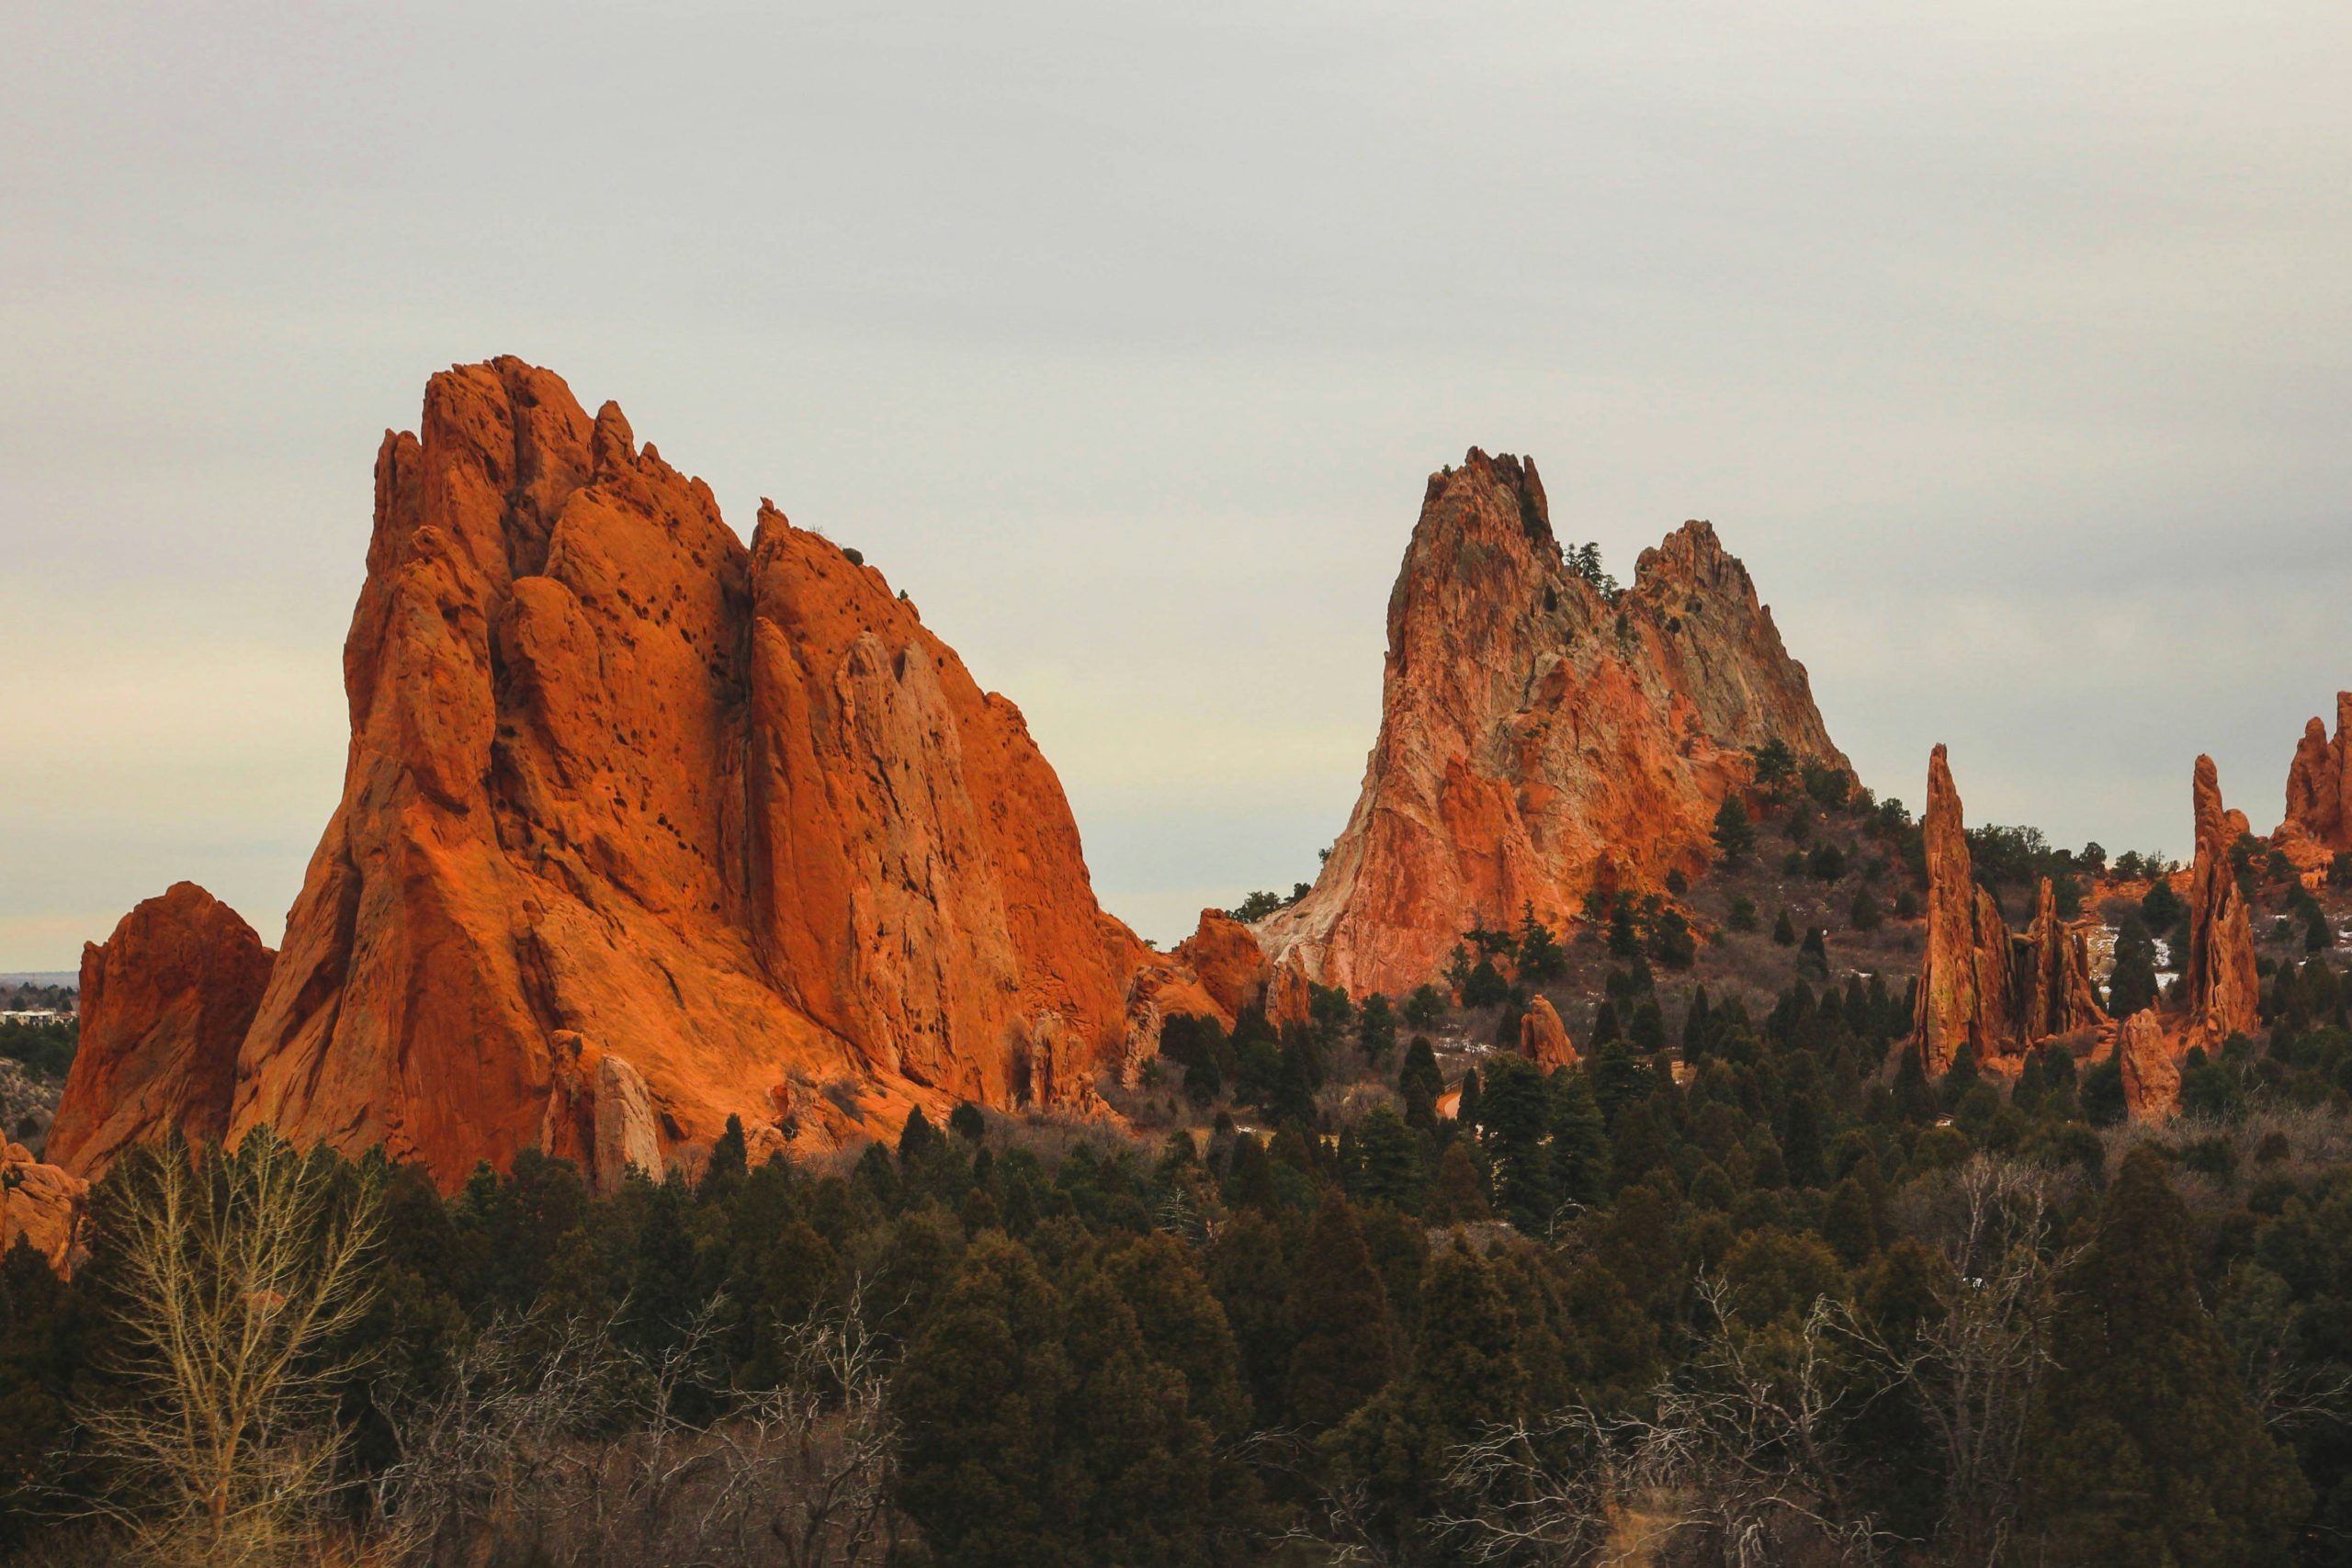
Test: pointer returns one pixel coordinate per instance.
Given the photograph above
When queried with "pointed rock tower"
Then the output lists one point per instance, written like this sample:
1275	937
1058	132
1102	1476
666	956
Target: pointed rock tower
1538	737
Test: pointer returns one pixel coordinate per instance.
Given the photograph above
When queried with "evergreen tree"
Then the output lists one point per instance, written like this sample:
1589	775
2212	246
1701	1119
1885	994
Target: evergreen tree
1459	1197
1735	834
1580	1153
1346	1345
2146	1447
1252	1283
1390	1166
1517	1116
1486	987
1784	930
985	1467
2132	985
1541	957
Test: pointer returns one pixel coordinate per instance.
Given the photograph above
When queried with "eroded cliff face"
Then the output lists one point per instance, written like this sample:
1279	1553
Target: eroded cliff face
2318	824
641	828
1535	739
2223	989
2151	1069
165	1003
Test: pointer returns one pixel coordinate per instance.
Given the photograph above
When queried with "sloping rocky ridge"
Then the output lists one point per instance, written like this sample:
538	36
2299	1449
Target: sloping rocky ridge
1535	739
641	828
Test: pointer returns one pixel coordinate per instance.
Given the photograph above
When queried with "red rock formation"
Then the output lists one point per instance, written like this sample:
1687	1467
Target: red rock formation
165	1003
1544	1039
2222	989
1288	999
1226	960
2057	996
2318	824
641	828
42	1204
1967	980
2151	1072
1535	739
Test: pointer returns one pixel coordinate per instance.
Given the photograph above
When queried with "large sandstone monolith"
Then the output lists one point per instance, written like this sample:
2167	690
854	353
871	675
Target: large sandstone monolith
165	1003
620	787
2223	989
1538	737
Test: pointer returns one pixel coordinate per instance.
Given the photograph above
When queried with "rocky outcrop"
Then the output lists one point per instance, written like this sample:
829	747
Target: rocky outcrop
2220	983
1289	998
1544	1039
2318	825
2057	995
1967	991
1227	961
619	787
1537	736
165	1003
2151	1072
41	1203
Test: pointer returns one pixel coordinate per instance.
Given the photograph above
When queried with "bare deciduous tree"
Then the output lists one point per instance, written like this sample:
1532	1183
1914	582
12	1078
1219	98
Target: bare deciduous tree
239	1275
1970	1366
1738	1461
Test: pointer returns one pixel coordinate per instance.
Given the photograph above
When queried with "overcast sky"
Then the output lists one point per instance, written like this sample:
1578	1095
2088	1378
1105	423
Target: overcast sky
2009	343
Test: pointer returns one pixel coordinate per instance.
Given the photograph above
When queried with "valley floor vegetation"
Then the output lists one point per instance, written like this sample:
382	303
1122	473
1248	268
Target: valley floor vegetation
1734	1291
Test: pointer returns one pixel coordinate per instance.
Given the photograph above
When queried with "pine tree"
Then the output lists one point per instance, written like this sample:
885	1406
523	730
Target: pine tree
1581	1154
2132	985
2146	1447
1517	1116
981	1399
1346	1345
1735	834
1252	1283
1459	1197
1390	1166
1784	930
1541	957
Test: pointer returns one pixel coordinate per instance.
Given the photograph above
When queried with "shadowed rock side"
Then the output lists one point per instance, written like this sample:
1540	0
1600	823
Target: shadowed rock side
2222	987
1535	739
2318	825
165	1003
41	1204
641	828
2057	996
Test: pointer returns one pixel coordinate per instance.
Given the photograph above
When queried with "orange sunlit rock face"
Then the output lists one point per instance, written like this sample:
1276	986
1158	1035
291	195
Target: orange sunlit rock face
2318	824
165	1003
1537	740
635	813
1967	977
1544	1039
2223	990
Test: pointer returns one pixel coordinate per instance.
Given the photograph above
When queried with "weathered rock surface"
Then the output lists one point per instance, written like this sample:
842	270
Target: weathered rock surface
165	1004
1227	961
2057	996
2151	1072
1967	978
2221	986
42	1204
1544	1039
620	788
2318	824
1537	739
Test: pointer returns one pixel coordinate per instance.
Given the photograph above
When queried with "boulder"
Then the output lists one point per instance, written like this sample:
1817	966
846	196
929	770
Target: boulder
1540	737
43	1204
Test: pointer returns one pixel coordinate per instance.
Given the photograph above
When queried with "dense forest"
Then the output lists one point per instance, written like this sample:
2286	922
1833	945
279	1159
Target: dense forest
1755	1294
